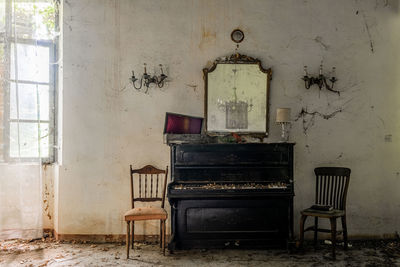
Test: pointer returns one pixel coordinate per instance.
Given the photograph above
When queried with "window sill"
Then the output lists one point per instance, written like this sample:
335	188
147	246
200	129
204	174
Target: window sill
27	163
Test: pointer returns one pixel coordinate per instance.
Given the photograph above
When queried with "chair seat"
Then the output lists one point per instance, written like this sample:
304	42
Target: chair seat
324	214
146	213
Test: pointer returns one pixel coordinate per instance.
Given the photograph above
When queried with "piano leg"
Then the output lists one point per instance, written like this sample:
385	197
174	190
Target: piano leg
172	245
290	242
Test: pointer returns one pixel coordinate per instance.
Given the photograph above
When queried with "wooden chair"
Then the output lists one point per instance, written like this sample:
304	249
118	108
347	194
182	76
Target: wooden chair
331	190
149	182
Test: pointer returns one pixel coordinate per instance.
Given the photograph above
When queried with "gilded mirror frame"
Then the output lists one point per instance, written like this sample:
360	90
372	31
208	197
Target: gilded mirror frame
237	59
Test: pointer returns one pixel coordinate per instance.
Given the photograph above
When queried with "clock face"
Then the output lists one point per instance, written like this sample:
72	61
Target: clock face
237	36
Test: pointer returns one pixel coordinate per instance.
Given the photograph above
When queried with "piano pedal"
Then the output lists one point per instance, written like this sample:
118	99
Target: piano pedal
237	243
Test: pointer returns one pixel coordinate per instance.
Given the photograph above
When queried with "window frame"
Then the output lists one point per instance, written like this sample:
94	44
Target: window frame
53	70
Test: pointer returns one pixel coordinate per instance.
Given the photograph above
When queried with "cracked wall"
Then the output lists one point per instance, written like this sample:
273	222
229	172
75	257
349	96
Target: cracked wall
108	125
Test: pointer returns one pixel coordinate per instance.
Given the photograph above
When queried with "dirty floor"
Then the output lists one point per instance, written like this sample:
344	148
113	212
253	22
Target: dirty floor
48	252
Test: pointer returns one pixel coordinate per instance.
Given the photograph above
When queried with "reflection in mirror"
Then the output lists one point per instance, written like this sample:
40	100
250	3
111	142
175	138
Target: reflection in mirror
237	96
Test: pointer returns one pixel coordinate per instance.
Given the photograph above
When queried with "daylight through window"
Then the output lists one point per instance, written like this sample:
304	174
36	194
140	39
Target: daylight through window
28	69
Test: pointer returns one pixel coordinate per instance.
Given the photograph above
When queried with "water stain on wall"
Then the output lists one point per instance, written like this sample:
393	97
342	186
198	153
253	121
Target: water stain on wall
208	38
46	202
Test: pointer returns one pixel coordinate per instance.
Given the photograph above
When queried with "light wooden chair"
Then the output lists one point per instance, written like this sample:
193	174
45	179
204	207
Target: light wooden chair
149	182
331	188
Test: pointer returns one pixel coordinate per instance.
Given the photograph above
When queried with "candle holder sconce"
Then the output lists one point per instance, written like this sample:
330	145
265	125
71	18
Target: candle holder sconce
147	79
321	80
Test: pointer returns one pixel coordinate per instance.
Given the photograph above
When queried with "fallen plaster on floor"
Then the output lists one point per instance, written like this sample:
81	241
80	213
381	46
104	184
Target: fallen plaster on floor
48	252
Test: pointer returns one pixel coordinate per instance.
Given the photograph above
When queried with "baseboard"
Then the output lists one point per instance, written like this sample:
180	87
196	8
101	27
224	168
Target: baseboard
98	238
392	236
104	238
26	234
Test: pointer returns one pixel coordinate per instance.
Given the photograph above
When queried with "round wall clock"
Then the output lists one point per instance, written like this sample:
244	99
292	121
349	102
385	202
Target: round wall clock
237	35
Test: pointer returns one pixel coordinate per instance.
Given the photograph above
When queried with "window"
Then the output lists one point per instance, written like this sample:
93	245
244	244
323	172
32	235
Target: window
28	72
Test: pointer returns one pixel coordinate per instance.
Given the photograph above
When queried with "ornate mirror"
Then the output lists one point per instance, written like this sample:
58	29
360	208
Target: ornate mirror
236	96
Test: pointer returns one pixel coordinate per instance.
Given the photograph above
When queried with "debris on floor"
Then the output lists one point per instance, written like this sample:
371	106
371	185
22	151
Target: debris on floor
48	252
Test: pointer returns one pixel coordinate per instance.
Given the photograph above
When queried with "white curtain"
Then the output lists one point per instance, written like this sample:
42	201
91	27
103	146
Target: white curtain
26	113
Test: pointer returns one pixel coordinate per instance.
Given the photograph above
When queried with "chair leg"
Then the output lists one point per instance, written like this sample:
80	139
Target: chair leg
333	234
163	237
133	233
127	238
344	228
160	233
315	232
302	221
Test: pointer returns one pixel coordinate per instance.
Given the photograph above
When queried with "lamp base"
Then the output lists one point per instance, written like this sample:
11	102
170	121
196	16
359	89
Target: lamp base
284	132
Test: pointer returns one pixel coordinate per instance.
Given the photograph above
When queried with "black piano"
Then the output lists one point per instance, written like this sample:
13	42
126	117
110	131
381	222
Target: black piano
231	195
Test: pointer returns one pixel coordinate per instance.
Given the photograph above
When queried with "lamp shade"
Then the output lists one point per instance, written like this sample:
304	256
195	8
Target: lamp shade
283	115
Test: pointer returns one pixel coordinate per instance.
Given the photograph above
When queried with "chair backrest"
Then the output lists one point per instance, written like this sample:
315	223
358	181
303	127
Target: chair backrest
331	188
151	184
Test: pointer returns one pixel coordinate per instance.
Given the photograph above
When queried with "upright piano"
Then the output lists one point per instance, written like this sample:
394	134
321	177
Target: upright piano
231	195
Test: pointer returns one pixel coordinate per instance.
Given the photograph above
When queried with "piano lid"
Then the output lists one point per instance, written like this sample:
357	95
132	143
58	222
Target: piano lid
232	162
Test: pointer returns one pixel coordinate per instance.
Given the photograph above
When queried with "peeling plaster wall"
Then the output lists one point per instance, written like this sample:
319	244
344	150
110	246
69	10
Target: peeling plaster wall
48	174
107	125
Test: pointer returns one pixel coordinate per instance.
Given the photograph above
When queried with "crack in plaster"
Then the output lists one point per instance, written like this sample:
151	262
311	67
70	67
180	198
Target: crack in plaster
377	4
307	124
193	86
318	40
364	17
291	41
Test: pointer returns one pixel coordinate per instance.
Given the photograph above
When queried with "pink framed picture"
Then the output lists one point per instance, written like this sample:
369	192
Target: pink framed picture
182	124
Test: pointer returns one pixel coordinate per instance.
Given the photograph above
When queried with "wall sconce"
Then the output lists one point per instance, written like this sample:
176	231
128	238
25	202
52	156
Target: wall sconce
148	79
320	80
283	118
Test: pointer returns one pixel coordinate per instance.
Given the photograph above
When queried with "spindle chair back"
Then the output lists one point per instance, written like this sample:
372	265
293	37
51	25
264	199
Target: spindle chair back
151	184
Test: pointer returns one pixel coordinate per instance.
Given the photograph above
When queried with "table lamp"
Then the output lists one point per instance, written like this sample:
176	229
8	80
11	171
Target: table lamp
283	118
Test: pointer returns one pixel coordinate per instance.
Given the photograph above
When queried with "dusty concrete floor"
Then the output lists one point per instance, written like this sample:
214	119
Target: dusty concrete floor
50	253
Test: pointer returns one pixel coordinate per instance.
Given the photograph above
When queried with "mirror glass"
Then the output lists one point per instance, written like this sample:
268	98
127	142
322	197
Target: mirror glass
237	97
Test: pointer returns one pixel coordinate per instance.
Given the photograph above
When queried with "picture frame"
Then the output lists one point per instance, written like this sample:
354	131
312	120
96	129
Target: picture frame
182	124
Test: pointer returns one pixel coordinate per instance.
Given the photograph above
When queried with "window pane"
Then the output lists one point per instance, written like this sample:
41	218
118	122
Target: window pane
3	63
2	16
33	63
13	102
28	133
28	142
27	101
44	102
34	19
44	140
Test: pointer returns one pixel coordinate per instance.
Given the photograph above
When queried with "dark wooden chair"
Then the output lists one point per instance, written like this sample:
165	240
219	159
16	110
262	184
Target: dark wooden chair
151	187
331	188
